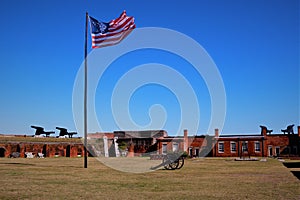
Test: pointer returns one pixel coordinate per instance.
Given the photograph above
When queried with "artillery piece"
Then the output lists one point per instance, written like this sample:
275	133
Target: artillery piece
63	132
40	130
264	128
171	161
289	129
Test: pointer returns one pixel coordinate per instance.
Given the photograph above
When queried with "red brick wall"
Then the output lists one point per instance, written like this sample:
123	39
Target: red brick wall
51	149
282	141
238	153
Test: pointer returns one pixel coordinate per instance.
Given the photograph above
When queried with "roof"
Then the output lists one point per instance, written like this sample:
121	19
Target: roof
141	134
100	135
243	137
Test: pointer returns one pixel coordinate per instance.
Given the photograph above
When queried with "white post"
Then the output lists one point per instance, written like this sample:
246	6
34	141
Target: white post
116	147
105	146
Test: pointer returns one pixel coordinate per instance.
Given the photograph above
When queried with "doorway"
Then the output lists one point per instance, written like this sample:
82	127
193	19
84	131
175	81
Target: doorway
45	150
270	151
277	151
197	152
191	152
2	152
68	150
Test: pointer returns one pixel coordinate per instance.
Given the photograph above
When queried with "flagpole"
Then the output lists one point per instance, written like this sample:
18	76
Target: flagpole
85	90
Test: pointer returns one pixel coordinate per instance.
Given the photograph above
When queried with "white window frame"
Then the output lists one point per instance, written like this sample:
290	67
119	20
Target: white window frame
231	147
270	147
219	149
246	145
164	148
255	145
175	147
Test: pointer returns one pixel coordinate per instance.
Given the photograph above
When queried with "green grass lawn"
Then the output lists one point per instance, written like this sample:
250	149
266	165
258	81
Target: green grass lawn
209	178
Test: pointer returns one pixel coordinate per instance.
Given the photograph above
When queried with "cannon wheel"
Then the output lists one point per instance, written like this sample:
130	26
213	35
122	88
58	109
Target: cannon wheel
180	162
168	164
174	165
177	164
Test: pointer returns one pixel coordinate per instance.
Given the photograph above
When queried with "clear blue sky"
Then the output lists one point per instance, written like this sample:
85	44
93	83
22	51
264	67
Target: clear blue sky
254	43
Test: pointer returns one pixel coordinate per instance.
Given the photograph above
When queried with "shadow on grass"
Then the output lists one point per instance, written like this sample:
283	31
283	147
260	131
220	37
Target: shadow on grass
292	164
296	173
15	163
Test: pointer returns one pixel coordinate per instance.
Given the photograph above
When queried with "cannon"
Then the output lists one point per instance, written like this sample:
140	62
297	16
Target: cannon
40	130
171	161
15	155
63	132
266	129
289	129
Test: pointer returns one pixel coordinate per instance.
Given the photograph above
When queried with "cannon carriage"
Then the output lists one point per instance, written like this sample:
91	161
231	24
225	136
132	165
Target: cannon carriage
171	161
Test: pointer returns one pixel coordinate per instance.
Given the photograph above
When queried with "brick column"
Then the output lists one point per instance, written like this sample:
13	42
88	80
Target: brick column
131	151
185	140
239	148
215	142
216	133
262	148
264	132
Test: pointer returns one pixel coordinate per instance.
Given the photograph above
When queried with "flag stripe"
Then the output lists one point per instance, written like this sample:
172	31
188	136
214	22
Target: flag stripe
119	20
113	42
116	21
117	30
116	36
112	39
111	35
122	24
128	22
120	28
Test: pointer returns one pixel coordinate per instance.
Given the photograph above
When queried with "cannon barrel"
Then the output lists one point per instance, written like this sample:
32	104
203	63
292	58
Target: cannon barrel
37	127
61	129
49	132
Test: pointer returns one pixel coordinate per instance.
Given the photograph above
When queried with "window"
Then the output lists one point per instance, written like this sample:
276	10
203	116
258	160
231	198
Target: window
270	150
277	151
164	148
245	146
257	146
286	150
221	147
295	150
233	146
175	147
191	151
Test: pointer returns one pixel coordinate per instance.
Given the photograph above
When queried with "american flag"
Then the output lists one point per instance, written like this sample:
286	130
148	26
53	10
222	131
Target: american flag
111	33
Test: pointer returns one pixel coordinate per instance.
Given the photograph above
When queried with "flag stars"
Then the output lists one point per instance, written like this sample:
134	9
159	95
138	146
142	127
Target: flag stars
102	27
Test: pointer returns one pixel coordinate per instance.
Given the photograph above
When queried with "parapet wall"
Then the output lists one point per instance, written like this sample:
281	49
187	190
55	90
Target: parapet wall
50	147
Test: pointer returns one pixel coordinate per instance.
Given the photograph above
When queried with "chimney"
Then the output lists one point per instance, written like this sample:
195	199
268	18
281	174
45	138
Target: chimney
185	133
299	131
131	151
185	140
264	131
216	133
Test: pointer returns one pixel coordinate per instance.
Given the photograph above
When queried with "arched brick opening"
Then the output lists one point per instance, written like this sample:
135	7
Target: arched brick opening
68	151
45	150
2	152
